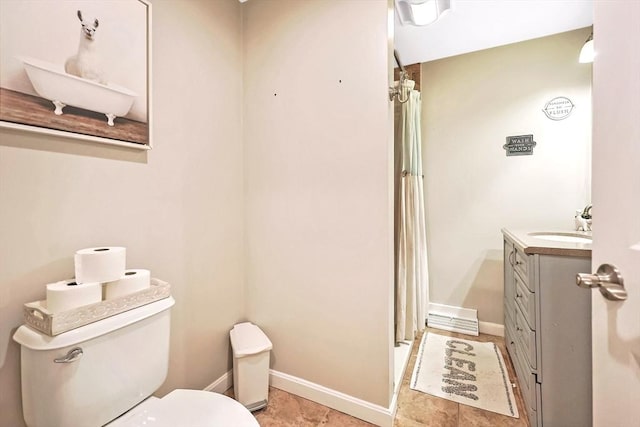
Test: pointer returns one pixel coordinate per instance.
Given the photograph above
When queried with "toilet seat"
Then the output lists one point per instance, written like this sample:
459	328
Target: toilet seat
192	408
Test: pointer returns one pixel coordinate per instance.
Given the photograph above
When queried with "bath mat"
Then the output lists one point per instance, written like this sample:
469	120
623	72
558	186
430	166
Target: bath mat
468	372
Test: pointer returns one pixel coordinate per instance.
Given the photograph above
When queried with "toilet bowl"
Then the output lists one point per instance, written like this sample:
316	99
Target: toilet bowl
105	372
191	408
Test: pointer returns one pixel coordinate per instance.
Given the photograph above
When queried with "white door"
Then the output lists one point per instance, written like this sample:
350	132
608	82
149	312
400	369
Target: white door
616	210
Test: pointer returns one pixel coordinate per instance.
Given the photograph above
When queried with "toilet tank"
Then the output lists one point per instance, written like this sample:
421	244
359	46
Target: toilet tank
124	360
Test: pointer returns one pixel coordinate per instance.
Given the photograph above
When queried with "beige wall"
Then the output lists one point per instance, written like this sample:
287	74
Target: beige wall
470	104
317	197
178	208
318	189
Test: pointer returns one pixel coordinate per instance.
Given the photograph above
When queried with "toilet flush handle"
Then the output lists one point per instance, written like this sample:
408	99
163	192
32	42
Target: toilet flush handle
73	355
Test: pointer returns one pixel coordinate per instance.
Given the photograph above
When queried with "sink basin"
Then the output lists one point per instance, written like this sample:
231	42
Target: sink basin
562	237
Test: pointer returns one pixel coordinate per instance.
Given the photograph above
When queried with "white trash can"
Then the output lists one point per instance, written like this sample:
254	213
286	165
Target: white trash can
251	350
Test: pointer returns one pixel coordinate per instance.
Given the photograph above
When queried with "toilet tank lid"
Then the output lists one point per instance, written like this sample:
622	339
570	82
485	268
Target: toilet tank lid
36	340
248	339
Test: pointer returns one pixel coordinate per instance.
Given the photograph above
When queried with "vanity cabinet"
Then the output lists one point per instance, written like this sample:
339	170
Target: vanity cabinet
547	320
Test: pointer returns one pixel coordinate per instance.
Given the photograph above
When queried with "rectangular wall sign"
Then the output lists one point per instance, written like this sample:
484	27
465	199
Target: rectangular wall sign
519	145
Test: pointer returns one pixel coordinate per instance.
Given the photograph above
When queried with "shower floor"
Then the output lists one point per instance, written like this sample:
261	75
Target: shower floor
401	355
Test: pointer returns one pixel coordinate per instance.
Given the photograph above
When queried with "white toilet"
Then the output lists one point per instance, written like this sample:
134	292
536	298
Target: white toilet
104	372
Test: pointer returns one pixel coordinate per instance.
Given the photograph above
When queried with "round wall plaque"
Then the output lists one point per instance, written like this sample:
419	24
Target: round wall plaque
558	108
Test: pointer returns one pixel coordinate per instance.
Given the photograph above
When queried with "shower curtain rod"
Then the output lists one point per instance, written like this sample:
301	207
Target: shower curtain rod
395	55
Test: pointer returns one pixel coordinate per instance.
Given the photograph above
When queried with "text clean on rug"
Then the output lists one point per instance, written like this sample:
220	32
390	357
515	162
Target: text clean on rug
468	372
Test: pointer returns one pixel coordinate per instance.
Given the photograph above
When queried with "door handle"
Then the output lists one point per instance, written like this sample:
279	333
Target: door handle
608	279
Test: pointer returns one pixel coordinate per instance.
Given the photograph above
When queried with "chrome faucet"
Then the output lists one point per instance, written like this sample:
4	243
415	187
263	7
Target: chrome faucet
583	220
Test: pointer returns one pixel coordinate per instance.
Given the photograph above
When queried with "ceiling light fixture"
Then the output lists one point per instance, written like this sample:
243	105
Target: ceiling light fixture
421	12
587	53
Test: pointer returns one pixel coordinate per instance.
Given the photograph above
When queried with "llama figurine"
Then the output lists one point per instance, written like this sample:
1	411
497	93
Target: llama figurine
86	63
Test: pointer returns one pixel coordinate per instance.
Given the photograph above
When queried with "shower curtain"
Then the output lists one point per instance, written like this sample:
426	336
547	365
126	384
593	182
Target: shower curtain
412	280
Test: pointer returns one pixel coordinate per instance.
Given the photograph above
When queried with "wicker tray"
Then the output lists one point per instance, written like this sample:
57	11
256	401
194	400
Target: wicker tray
38	317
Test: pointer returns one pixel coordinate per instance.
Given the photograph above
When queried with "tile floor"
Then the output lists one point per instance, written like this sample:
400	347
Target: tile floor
415	409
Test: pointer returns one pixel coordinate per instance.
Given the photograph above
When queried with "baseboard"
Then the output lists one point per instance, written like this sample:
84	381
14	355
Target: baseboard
222	384
353	406
342	402
492	329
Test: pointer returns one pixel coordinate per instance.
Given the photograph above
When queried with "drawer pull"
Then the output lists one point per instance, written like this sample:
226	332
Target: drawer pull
510	258
518	295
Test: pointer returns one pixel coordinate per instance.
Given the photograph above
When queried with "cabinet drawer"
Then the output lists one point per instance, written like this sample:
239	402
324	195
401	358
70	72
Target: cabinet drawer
526	300
509	290
528	386
510	298
526	338
521	265
526	379
533	417
510	342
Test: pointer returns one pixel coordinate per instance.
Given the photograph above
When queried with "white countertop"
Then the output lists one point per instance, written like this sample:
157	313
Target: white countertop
533	245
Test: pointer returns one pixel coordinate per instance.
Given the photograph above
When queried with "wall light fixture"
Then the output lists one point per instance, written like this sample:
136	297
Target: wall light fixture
587	53
421	12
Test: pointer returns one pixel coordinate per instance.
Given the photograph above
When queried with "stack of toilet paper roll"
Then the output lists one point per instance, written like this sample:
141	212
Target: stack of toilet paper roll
101	274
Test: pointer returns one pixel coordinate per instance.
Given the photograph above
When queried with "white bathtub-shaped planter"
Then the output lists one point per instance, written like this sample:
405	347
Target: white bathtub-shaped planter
51	82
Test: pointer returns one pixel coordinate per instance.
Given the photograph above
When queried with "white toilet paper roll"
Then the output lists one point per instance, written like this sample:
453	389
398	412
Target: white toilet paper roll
68	294
104	264
134	280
